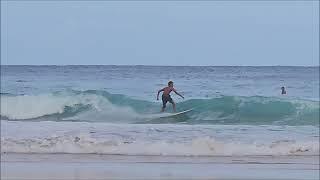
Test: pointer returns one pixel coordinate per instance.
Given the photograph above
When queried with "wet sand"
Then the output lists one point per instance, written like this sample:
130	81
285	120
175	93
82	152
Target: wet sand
93	166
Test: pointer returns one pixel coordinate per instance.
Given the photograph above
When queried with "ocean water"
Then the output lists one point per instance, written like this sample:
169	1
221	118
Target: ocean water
113	110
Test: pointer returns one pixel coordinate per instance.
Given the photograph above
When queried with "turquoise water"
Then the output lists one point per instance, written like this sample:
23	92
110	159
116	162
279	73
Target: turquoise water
113	110
219	95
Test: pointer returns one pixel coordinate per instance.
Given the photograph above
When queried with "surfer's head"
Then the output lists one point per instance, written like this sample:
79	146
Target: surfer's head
170	84
283	90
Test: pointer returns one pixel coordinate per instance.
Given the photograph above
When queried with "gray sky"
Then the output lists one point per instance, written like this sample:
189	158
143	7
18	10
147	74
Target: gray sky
160	33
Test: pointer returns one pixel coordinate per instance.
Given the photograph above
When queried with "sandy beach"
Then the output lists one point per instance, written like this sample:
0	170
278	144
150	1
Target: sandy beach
93	166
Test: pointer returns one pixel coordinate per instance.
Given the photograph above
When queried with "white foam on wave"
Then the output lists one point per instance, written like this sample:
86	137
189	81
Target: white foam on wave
95	106
34	106
206	146
28	106
157	139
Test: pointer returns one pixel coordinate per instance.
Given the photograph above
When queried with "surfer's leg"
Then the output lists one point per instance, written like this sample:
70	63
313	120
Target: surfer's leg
164	102
163	106
174	106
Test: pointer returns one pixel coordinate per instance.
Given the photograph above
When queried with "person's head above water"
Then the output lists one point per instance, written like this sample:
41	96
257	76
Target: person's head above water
283	90
170	83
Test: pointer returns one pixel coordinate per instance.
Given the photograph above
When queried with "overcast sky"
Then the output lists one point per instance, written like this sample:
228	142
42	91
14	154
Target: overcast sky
160	33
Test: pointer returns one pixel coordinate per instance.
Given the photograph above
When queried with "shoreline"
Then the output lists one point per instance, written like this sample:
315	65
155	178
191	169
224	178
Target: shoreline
98	166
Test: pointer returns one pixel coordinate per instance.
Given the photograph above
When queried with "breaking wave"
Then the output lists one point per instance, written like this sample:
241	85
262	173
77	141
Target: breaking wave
205	146
94	105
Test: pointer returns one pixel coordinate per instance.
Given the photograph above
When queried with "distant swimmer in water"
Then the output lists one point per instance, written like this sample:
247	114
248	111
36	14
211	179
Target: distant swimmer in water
166	96
283	90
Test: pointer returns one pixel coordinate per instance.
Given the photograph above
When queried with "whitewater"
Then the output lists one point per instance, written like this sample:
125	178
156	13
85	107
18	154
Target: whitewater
113	110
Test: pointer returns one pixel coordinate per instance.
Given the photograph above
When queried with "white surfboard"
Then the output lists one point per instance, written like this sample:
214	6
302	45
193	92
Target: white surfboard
178	113
164	115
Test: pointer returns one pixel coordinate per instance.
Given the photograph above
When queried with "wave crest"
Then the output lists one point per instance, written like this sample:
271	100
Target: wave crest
93	105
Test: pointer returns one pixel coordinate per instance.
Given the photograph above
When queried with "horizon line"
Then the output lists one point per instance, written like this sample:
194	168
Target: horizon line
160	65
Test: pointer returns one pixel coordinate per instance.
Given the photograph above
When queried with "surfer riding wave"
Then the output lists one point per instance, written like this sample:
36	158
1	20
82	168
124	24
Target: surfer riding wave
166	96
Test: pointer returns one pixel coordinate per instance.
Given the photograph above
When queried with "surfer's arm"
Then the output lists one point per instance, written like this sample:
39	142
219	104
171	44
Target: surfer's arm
159	93
178	93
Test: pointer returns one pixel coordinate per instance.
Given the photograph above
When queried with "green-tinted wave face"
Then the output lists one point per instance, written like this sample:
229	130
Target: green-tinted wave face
93	105
254	110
